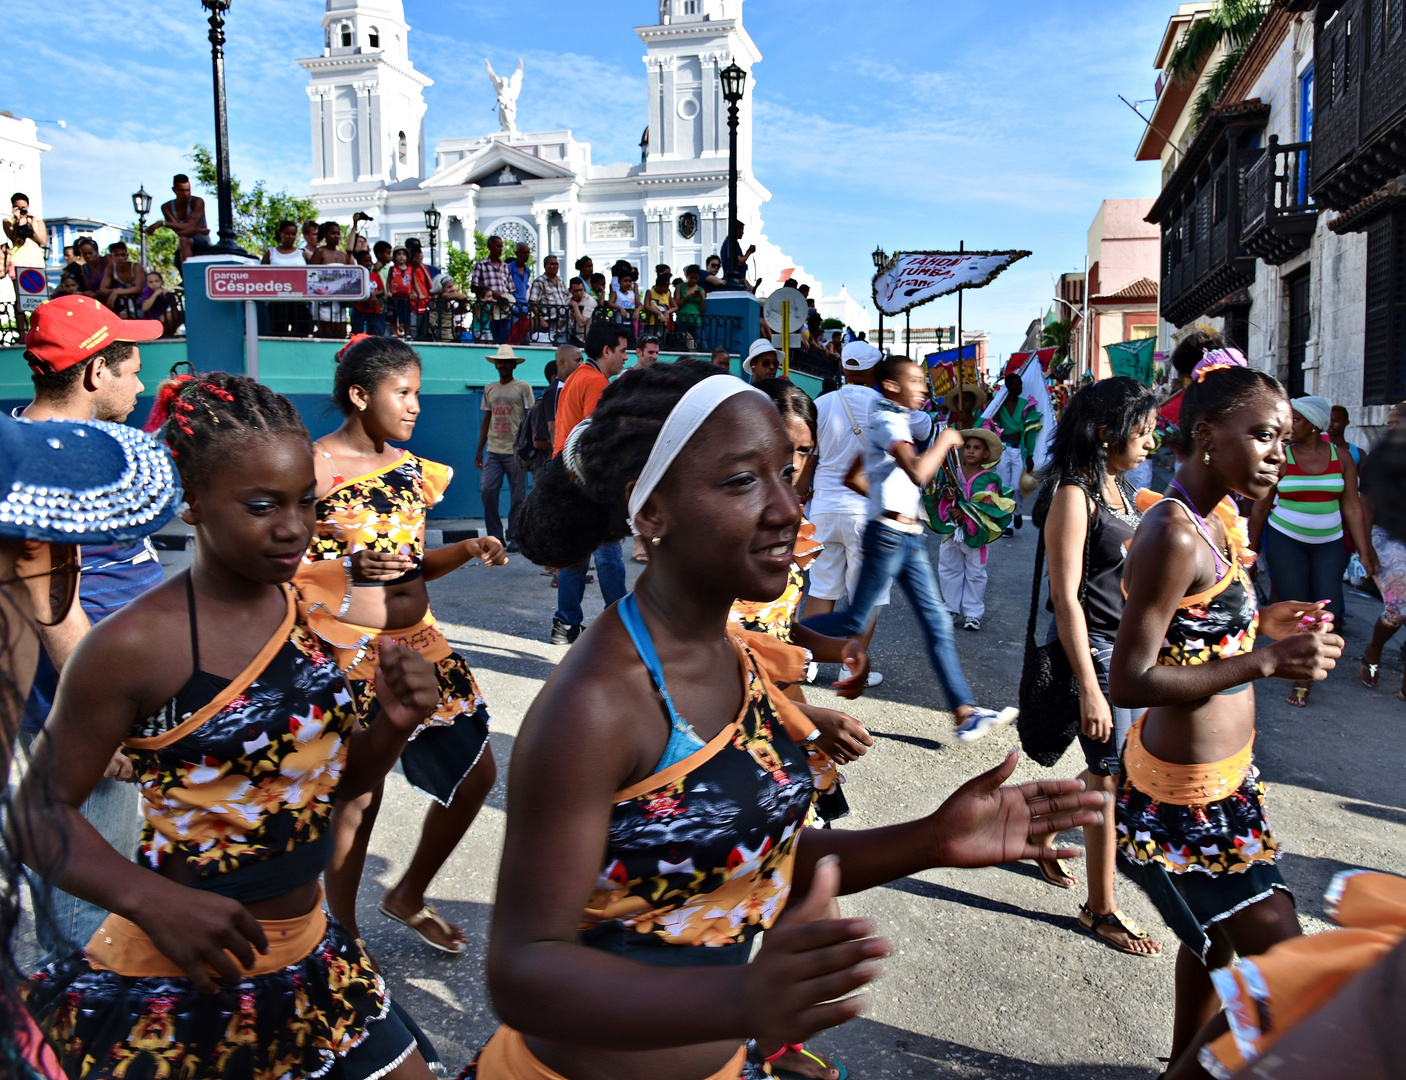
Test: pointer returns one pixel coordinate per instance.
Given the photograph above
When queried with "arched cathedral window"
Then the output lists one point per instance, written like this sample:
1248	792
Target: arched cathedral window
346	32
373	38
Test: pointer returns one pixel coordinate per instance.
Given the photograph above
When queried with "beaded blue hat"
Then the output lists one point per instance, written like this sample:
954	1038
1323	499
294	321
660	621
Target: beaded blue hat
83	482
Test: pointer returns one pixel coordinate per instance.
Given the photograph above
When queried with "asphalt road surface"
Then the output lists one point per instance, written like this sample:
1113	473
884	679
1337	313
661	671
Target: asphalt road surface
991	975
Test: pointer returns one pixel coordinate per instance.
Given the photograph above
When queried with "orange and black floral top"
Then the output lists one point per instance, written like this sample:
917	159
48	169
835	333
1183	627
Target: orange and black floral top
702	853
383	510
251	774
776	617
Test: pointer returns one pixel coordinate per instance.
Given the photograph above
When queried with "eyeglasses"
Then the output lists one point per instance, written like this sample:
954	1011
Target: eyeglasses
62	572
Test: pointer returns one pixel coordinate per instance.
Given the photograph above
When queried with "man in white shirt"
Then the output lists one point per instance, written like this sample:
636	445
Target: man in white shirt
895	546
838	512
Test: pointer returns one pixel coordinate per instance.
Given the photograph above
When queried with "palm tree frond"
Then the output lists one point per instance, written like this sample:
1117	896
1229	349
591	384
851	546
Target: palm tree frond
1230	24
1215	83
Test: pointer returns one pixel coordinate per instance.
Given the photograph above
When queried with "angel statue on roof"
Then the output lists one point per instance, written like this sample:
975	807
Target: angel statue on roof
507	91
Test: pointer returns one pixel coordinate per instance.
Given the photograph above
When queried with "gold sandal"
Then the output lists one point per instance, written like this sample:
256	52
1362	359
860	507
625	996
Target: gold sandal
426	914
1298	697
1118	921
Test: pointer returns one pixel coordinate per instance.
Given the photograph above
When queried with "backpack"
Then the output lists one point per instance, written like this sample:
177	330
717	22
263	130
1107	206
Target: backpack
532	428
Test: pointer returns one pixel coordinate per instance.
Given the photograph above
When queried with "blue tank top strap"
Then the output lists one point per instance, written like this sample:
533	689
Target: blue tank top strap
683	740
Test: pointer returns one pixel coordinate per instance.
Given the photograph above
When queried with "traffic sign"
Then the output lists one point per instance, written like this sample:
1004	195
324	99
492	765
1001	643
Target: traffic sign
32	285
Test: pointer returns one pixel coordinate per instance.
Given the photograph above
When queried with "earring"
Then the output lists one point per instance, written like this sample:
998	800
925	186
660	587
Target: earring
656	540
361	408
1206	458
1105	446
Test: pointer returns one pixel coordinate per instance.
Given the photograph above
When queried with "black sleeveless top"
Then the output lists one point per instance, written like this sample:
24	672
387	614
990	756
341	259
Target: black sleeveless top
1108	544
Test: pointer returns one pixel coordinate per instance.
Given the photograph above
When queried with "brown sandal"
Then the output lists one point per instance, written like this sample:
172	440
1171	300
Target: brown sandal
1062	878
1118	921
1298	697
427	914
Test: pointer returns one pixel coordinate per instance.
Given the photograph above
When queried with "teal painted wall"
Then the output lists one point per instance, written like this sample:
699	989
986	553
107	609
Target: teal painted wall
451	394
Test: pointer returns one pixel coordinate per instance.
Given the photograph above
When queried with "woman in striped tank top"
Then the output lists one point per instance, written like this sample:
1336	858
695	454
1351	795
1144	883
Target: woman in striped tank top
1300	526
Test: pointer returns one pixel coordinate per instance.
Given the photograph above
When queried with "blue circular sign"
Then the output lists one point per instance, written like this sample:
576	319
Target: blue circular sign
32	280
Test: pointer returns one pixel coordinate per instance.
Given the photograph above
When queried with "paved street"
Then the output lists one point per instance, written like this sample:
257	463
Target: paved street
990	976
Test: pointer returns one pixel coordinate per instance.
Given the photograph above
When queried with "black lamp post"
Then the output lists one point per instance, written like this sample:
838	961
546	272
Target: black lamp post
228	244
879	260
432	223
734	81
141	203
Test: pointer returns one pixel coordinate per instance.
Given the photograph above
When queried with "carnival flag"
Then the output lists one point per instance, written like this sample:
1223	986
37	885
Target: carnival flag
1133	358
1034	387
914	277
944	377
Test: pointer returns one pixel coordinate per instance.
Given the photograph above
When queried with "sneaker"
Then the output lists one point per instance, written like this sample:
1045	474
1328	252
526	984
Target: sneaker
511	547
562	634
1009	531
547	571
972	624
1019	521
812	672
875	678
980	721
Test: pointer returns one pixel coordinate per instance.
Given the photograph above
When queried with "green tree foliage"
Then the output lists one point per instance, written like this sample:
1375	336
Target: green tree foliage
1229	27
1056	336
257	211
460	263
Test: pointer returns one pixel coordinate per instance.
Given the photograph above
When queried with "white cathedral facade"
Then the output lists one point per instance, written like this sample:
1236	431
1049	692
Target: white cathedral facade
369	154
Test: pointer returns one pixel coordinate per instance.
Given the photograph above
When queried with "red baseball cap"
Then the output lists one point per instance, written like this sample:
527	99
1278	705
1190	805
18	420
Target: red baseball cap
67	330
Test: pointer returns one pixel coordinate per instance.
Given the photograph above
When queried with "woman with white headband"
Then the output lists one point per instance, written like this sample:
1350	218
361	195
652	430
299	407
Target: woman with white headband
660	774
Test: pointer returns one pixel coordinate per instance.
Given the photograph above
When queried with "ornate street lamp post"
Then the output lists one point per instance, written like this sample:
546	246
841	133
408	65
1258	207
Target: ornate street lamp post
141	203
228	238
432	223
879	259
734	81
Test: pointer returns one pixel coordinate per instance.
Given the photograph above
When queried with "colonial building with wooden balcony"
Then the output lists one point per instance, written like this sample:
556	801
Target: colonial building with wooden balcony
1359	158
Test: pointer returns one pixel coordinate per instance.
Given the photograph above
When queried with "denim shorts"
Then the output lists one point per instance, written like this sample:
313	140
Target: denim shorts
1102	758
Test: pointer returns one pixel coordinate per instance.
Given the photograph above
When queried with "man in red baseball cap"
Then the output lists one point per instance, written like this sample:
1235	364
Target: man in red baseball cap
83	361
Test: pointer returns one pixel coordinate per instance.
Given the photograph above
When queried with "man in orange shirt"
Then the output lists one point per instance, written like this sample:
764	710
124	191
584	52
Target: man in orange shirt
607	349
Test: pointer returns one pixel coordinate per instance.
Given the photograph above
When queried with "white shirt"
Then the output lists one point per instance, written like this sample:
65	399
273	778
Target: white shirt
838	446
890	488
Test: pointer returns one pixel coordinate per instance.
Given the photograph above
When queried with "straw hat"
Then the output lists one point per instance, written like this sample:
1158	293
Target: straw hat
979	393
505	352
990	438
1029	483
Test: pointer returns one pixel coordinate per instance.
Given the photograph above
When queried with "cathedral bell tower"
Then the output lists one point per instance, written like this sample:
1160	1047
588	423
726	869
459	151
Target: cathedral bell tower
366	98
692	42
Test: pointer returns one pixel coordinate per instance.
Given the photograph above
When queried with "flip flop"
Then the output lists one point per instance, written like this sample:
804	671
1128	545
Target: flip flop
1069	880
801	1049
426	914
1298	697
1368	674
1118	921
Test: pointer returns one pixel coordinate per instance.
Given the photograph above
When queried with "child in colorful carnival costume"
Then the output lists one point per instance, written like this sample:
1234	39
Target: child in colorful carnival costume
1018	424
243	732
655	777
1191	821
969	506
364	576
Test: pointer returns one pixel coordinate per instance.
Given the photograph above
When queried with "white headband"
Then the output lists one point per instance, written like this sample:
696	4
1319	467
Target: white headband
683	421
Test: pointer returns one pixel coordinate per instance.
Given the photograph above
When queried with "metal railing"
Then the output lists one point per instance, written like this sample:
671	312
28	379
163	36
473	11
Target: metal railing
10	324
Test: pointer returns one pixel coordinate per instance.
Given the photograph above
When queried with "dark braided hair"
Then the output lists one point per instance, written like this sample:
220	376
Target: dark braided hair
567	517
366	362
1218	394
205	412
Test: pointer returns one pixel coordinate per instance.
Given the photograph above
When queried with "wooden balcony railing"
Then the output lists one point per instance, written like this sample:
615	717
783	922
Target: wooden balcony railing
1279	213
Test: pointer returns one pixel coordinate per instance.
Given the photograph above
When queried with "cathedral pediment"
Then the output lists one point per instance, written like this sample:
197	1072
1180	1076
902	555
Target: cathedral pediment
497	165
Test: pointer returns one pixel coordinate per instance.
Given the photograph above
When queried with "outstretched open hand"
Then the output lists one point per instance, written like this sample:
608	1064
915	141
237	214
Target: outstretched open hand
985	824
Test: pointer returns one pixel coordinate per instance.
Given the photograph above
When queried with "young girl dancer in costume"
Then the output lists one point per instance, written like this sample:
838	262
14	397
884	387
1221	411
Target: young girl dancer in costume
970	509
1087	514
656	773
217	959
368	565
1191	819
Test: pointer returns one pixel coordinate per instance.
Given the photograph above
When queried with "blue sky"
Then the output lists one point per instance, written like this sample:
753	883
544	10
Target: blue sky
885	122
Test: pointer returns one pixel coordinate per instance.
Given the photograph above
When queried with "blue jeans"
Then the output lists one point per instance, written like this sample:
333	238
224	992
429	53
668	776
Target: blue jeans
1105	758
365	323
571	583
495	467
891	555
64	922
1307	572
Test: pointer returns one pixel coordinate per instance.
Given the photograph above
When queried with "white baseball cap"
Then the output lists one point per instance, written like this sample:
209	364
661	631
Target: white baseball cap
859	356
760	347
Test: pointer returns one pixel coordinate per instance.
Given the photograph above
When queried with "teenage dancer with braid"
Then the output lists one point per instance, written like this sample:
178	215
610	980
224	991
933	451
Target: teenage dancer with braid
368	566
1191	817
217	959
657	776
